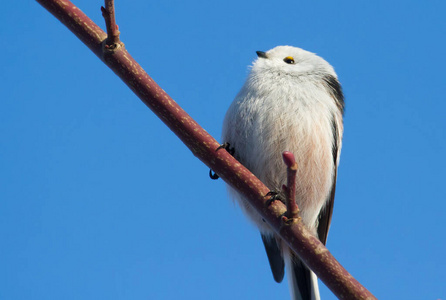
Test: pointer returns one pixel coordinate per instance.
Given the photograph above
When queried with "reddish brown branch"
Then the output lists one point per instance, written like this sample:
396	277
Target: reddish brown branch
203	146
110	23
290	188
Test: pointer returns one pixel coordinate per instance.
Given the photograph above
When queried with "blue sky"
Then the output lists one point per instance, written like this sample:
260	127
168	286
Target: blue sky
99	200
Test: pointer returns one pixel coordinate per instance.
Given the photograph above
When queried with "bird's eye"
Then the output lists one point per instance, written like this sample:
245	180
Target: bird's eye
289	60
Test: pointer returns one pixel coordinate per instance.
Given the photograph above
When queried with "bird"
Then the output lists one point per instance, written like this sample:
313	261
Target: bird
291	101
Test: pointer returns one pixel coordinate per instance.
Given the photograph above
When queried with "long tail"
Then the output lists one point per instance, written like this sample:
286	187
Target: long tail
302	281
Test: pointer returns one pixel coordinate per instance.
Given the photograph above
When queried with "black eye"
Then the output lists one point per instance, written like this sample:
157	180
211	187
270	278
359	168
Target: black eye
289	60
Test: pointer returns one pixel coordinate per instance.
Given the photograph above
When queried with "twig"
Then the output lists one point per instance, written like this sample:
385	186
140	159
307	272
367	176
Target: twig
290	189
203	146
110	22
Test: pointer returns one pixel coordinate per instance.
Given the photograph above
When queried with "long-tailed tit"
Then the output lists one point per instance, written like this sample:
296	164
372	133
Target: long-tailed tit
291	101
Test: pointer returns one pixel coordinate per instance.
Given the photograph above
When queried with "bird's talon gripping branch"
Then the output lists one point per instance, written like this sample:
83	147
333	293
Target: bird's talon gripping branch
227	147
275	195
272	193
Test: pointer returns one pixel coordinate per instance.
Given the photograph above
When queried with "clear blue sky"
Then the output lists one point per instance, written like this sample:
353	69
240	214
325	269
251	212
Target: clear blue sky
99	200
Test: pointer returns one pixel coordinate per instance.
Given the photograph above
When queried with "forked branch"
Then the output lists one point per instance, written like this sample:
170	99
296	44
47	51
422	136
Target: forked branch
290	189
108	12
203	146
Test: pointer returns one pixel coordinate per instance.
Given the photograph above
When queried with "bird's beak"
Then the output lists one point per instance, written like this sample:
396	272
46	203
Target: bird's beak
261	54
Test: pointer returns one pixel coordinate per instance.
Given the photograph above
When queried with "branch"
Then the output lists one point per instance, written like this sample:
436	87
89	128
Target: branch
203	146
290	189
110	23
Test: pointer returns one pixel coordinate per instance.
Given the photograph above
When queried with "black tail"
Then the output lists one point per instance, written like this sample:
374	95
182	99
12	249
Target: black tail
302	281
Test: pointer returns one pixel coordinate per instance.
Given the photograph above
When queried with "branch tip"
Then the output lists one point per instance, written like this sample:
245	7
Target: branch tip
288	159
290	189
108	12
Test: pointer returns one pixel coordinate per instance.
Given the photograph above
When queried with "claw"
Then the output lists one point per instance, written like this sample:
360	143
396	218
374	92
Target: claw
227	147
275	195
213	175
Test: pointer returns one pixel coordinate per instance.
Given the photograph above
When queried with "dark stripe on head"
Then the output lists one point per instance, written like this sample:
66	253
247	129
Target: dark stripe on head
335	89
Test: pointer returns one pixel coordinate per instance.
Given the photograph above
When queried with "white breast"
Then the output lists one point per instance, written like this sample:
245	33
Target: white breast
264	121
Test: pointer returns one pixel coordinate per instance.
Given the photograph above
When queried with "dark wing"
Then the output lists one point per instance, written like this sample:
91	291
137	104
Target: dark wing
334	88
326	213
274	257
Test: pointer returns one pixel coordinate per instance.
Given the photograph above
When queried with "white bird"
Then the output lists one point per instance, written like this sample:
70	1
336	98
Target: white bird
291	101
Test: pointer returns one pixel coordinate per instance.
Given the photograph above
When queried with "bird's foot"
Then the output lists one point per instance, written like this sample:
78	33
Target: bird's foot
227	147
275	195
